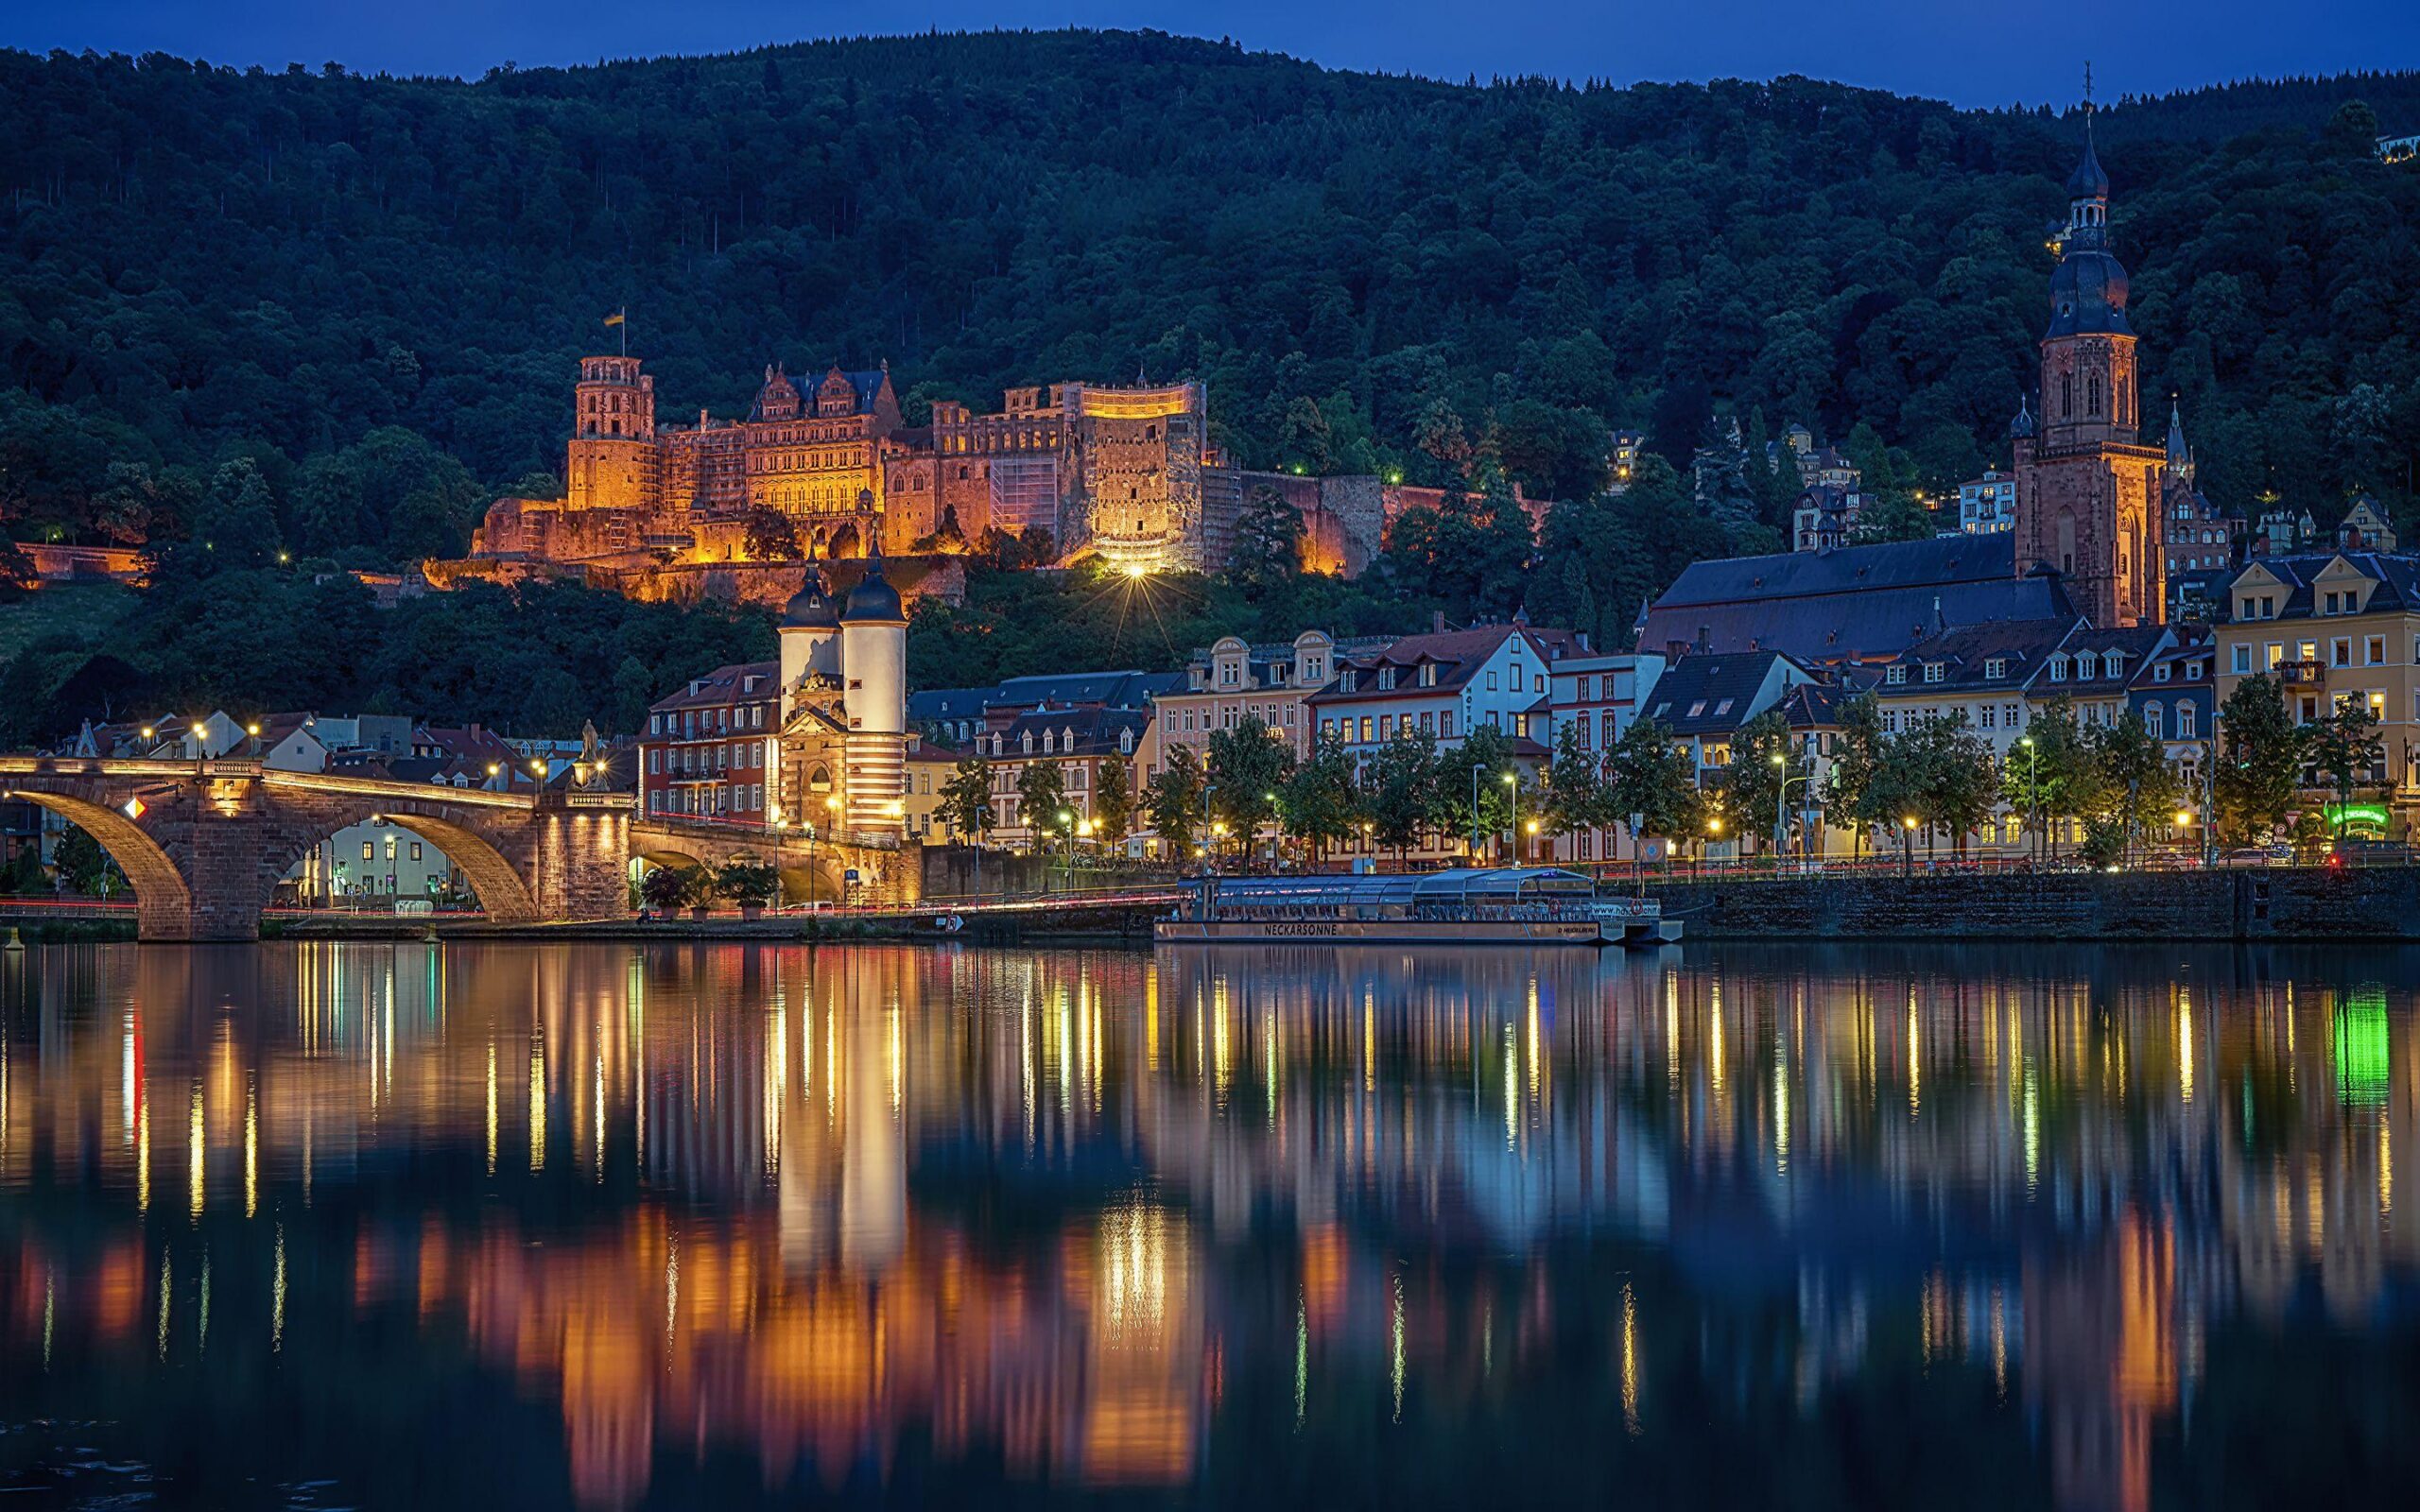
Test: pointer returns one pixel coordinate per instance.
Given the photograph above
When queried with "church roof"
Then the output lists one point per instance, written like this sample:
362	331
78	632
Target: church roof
1857	603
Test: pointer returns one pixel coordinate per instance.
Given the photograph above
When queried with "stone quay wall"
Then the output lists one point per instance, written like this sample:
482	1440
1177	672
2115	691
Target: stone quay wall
2277	903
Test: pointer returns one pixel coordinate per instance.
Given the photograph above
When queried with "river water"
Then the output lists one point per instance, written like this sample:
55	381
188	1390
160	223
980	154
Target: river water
604	1225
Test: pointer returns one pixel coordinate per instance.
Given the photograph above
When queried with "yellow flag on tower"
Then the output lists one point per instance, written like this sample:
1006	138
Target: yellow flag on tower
614	318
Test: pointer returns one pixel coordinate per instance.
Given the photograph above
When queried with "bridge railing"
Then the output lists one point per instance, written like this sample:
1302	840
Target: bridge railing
751	829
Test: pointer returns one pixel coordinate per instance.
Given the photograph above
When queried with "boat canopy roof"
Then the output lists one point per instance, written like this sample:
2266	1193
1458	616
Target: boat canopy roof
1459	886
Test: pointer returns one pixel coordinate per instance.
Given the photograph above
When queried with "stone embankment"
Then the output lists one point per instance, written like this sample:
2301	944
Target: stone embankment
2279	903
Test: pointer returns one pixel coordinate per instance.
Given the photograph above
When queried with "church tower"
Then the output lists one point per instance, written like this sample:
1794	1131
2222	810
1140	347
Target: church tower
2088	494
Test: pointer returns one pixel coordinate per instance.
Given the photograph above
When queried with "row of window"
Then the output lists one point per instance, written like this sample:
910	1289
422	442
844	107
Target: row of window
715	721
2340	653
733	798
1054	742
1277	716
690	759
1376	729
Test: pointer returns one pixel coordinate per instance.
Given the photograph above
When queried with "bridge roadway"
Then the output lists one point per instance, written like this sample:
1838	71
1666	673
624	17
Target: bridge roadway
205	843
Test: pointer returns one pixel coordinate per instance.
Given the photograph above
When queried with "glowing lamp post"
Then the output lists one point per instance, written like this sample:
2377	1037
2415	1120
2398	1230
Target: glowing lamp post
1906	845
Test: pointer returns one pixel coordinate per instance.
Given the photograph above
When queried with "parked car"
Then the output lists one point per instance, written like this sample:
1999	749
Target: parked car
2258	855
2358	852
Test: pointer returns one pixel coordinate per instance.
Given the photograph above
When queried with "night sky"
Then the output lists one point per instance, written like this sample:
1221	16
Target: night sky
1971	52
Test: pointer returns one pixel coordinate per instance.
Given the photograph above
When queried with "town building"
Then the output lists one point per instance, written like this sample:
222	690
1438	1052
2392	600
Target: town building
1599	696
1444	684
2175	694
1987	503
1230	681
2200	538
1825	517
1998	678
961	716
1621	458
2332	628
709	748
2365	527
1707	700
1091	748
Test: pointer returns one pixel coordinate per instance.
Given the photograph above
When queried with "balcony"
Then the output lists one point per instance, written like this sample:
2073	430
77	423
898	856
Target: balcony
2311	673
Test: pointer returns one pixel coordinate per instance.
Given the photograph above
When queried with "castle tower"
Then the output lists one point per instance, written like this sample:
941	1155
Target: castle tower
874	660
2087	494
810	634
612	460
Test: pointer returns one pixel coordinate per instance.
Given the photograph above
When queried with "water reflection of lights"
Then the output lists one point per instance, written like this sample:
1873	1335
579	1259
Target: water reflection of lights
1135	1272
783	1274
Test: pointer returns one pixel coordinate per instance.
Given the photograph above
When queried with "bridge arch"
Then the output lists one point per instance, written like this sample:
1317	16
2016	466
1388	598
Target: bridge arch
503	895
162	900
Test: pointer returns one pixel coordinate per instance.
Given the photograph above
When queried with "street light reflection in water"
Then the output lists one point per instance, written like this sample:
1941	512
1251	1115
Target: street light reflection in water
2057	1226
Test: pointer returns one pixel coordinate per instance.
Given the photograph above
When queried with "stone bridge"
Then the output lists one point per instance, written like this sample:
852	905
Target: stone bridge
813	867
205	843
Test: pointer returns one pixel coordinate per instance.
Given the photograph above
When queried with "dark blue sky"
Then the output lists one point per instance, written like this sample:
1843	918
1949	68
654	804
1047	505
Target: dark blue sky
1972	52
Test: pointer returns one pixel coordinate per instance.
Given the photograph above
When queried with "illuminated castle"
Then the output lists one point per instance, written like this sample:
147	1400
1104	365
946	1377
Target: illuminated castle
1116	472
1125	473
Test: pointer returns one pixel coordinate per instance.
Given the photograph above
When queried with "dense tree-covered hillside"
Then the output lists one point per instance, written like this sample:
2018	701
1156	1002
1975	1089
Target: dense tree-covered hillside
374	288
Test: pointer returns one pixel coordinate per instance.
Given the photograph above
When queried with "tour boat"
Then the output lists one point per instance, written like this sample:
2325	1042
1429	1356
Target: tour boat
1511	905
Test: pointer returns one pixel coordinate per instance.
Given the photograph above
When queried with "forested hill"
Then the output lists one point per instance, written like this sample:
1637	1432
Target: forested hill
1369	271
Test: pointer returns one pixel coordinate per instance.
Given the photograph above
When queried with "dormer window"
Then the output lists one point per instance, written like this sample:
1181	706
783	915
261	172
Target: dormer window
1025	742
1126	741
2112	663
1386	679
1935	670
1996	667
2058	669
1895	675
1428	674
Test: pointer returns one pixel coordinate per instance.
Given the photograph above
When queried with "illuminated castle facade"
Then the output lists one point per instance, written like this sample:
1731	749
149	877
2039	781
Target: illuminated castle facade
1125	473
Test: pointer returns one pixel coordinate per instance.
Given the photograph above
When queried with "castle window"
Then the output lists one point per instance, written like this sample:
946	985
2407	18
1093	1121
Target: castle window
2066	396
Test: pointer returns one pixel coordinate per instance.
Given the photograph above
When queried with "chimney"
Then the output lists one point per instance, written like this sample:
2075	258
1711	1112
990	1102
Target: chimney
1705	638
1437	622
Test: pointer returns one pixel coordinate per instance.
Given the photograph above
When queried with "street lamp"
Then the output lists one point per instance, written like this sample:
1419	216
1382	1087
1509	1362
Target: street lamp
1781	804
1906	845
1513	780
2033	791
